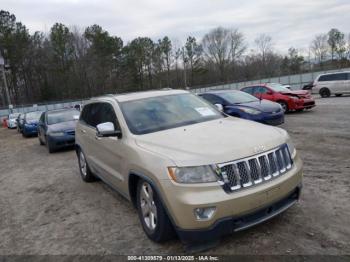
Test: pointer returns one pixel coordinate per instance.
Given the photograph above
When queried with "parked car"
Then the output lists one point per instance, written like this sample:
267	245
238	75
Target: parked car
57	128
296	100
332	83
185	166
30	123
240	104
11	120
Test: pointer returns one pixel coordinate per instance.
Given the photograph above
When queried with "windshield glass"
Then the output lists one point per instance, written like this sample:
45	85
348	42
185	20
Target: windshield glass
164	112
278	88
237	97
33	116
13	116
62	116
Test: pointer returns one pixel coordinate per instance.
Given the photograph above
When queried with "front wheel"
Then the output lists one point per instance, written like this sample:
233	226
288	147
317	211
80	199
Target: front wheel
324	92
84	169
338	95
284	106
154	220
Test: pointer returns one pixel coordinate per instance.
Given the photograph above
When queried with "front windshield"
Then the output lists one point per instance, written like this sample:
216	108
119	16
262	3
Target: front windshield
164	112
62	116
237	97
13	116
33	116
278	88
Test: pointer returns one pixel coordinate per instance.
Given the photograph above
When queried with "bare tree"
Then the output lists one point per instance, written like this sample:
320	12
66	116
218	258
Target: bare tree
319	47
264	46
216	46
237	44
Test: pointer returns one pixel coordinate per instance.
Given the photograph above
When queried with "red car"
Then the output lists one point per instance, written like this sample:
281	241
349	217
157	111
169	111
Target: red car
290	100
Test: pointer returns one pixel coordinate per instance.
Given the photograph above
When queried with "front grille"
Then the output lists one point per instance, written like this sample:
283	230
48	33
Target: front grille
253	170
72	133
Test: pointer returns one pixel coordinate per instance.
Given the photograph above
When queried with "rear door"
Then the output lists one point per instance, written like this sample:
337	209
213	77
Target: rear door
262	92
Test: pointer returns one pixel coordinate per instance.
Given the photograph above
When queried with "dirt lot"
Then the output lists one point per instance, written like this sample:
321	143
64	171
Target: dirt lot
45	208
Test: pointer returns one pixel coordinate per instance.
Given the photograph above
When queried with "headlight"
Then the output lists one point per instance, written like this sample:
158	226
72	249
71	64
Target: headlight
56	134
198	174
250	110
291	148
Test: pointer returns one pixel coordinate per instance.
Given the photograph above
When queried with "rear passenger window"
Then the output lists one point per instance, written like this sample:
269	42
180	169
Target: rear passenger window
248	90
334	77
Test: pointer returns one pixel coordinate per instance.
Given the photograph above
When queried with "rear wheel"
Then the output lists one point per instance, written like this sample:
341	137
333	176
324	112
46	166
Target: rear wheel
154	220
84	169
324	92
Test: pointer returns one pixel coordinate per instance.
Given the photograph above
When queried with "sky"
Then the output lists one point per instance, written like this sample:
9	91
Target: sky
288	22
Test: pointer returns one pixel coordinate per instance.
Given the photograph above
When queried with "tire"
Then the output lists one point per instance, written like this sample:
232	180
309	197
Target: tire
324	92
338	95
157	227
300	110
284	106
40	141
50	147
84	168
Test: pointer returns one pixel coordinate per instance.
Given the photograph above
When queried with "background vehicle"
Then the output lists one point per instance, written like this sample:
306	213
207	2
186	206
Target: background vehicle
332	83
56	129
184	165
243	105
20	120
30	123
297	100
11	120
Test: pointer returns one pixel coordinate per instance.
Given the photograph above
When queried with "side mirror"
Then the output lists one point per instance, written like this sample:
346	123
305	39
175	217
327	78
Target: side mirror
106	130
220	107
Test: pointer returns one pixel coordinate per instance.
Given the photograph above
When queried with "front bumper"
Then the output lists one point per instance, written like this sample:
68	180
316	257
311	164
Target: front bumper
267	118
30	130
12	124
305	104
229	225
61	141
181	200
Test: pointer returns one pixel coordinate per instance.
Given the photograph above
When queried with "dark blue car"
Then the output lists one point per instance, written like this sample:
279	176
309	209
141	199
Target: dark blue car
30	123
57	128
243	105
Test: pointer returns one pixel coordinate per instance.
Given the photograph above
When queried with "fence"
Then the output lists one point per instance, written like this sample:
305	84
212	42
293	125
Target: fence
40	107
295	81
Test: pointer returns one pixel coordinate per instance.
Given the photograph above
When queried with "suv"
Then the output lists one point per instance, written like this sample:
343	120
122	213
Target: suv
187	167
290	100
332	83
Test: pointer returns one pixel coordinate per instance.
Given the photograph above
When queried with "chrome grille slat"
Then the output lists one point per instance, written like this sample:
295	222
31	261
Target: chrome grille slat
250	171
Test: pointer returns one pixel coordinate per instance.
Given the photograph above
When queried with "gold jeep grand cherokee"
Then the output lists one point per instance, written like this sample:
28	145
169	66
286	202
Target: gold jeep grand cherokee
186	166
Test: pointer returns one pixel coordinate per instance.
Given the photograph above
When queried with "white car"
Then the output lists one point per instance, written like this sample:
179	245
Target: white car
11	121
332	83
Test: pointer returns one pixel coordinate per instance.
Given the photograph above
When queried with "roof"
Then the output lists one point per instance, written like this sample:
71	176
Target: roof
219	91
140	95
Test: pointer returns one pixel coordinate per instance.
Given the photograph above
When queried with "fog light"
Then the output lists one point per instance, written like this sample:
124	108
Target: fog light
204	213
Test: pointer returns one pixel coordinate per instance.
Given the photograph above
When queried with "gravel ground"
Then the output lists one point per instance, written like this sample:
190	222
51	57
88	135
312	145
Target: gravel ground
45	208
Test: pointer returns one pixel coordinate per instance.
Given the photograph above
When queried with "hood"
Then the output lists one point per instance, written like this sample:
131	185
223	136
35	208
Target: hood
62	127
211	142
298	93
262	105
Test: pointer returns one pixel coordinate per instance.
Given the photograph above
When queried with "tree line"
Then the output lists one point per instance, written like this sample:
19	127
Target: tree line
72	63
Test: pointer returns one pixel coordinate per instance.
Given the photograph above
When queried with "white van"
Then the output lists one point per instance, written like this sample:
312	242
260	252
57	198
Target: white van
332	83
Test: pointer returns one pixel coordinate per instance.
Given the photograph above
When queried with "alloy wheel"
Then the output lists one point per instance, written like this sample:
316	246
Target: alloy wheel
83	166
148	207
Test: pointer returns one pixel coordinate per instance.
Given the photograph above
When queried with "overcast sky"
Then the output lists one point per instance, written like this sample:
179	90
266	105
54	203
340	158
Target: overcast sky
289	22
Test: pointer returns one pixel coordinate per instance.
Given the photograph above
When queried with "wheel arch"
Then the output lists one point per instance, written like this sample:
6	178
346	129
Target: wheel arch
133	179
